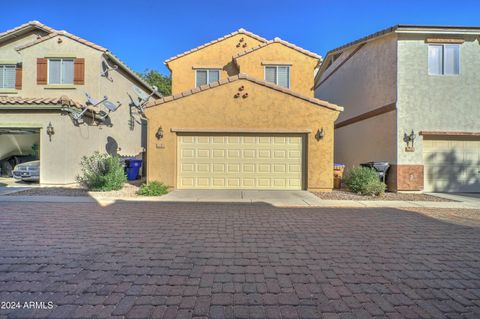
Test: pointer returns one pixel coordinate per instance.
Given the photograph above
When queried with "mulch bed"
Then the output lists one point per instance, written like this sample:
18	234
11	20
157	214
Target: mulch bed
341	194
129	190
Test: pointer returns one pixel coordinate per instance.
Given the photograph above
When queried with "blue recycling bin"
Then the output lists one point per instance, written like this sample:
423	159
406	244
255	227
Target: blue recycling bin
133	168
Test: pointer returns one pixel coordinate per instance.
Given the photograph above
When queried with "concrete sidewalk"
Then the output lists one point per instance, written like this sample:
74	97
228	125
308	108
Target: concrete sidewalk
274	198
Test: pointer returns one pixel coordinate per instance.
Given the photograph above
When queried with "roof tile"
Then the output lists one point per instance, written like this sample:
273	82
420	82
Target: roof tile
278	40
251	79
239	31
17	100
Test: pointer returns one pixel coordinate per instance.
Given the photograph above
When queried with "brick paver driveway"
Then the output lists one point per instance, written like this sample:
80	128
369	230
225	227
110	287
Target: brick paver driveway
140	260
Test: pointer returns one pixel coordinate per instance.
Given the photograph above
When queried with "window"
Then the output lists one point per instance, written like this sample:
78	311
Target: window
7	76
60	71
278	74
206	76
444	59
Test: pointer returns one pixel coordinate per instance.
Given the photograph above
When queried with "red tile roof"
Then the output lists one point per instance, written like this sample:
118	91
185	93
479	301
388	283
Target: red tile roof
239	31
278	40
251	79
17	100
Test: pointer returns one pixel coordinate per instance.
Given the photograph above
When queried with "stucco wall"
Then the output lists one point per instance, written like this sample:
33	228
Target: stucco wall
435	103
71	142
218	55
301	65
365	141
264	109
365	82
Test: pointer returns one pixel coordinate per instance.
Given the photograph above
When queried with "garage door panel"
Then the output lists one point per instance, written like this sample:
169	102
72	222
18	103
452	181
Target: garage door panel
452	165
268	162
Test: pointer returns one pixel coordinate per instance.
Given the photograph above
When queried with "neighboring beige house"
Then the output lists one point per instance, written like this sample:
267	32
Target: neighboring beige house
420	79
44	75
242	116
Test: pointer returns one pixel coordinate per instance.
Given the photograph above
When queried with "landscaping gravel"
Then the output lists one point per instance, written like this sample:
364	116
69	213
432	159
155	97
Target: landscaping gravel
340	194
128	190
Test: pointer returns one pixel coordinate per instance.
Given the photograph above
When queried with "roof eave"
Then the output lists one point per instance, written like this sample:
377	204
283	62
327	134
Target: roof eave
120	63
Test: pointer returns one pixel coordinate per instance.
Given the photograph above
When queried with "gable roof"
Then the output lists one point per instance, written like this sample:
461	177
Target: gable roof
239	31
278	40
53	33
242	76
31	25
61	33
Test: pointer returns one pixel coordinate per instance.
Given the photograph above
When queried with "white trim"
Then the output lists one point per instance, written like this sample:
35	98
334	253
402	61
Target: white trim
61	67
443	45
208	74
276	74
3	66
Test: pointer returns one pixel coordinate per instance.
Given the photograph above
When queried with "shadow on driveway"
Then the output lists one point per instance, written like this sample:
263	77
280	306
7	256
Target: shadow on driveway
150	259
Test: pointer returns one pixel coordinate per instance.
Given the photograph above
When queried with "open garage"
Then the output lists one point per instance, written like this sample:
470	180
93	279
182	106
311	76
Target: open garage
18	145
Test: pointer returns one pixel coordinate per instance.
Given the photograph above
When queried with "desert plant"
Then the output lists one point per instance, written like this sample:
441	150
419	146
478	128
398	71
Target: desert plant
153	189
365	181
102	172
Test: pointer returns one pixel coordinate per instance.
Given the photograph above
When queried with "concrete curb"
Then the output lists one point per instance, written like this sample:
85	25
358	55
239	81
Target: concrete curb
278	202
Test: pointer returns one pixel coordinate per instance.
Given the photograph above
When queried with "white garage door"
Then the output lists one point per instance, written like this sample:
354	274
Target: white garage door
240	161
452	164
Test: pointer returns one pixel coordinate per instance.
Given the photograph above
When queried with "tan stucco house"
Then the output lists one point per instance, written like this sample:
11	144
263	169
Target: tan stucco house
242	116
411	98
45	75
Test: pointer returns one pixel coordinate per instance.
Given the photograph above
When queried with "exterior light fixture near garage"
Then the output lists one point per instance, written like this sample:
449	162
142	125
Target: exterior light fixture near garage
320	134
50	131
159	134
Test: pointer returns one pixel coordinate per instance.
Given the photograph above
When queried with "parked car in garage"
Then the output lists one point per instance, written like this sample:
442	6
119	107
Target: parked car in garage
9	163
27	172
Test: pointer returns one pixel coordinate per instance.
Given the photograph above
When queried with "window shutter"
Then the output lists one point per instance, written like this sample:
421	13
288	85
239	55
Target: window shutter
79	71
42	71
18	76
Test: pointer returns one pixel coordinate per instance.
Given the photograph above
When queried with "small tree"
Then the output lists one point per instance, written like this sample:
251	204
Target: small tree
162	82
102	172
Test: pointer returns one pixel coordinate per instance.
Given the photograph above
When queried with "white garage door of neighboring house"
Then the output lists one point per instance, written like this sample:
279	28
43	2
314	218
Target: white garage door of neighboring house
240	161
452	164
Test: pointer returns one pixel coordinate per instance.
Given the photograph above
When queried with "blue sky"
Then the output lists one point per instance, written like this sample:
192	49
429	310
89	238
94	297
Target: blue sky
144	33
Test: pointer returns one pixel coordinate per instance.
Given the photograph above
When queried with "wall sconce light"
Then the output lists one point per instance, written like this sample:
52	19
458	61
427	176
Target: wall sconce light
409	139
320	134
159	134
245	95
241	88
50	131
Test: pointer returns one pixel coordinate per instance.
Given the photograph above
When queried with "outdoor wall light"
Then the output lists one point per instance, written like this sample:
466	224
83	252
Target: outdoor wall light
159	134
50	131
320	134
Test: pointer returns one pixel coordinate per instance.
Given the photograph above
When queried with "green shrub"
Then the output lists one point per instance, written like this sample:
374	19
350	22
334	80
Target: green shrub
153	189
102	172
365	181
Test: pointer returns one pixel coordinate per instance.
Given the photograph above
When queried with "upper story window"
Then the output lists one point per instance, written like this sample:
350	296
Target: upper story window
7	76
443	59
60	71
206	76
278	74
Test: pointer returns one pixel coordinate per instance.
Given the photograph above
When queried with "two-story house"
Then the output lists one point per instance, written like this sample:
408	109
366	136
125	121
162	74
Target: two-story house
45	76
411	98
242	116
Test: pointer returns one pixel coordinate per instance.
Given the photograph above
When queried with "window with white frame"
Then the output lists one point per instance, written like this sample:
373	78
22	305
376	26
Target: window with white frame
206	76
278	74
60	71
7	76
443	59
